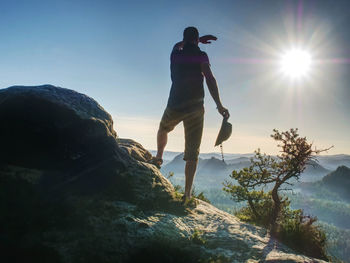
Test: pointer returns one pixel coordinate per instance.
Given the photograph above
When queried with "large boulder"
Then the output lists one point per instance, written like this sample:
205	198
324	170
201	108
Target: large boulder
51	127
71	191
58	147
69	138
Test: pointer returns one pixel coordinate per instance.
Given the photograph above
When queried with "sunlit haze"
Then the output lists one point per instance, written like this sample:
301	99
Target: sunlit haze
296	63
278	64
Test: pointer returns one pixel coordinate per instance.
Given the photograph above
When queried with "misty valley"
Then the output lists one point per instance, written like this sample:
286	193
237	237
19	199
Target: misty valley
322	191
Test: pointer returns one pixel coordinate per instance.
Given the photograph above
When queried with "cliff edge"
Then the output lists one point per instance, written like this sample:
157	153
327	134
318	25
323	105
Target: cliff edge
72	191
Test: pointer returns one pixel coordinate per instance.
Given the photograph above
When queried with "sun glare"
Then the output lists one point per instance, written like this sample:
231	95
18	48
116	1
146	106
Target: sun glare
296	63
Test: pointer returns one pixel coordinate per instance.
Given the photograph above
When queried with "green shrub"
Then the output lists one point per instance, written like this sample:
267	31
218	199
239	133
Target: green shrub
299	232
197	237
263	210
179	192
295	229
202	197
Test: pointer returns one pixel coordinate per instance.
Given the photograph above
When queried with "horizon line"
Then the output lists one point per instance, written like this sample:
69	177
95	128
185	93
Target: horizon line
243	153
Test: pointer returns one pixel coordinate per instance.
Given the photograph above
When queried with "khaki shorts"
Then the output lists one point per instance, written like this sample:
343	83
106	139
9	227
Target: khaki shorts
193	125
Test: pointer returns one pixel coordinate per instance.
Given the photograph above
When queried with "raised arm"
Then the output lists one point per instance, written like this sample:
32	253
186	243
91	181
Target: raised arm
203	39
213	89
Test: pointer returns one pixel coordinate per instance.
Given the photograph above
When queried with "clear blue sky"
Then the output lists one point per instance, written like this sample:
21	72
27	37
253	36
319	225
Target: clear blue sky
118	53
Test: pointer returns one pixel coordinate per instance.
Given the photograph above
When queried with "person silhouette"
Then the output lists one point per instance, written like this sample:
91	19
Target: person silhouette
186	100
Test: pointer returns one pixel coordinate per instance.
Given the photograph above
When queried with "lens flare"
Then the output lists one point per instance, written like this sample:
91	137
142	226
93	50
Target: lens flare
296	63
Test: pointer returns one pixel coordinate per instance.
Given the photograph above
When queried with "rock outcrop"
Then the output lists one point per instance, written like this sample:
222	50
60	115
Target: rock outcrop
339	181
71	191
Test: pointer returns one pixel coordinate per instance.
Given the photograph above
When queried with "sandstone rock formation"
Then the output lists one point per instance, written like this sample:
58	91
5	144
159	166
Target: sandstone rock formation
71	191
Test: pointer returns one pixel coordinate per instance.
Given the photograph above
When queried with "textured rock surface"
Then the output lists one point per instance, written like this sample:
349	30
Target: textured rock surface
52	127
223	234
69	138
70	191
135	150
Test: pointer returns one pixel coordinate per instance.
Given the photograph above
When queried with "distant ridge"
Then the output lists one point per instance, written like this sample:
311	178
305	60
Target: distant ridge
169	155
212	165
339	180
211	171
331	162
314	171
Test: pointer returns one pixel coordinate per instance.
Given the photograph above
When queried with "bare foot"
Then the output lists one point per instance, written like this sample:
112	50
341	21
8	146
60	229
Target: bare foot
156	161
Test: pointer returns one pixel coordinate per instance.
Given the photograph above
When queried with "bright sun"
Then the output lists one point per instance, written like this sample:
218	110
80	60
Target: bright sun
296	63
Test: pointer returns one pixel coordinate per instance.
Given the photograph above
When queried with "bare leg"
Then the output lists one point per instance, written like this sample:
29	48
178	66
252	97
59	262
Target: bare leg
190	170
162	139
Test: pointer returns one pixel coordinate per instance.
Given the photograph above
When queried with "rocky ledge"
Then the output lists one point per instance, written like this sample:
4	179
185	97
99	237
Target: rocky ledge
71	191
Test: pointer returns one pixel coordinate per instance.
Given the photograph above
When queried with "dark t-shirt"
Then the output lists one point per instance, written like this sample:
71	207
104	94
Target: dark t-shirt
187	92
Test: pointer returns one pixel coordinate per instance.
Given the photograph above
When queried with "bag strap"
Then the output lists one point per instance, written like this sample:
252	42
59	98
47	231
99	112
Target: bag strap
222	152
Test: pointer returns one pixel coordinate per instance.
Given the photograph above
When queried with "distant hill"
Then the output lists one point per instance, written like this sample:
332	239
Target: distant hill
339	181
313	172
213	171
210	172
238	163
227	156
334	186
212	165
169	155
176	165
328	162
331	162
238	160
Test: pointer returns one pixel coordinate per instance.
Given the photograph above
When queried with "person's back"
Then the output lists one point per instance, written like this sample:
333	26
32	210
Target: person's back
187	91
185	104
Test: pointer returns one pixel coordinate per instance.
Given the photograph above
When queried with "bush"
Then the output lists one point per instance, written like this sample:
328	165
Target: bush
295	229
179	192
197	237
299	232
202	197
263	208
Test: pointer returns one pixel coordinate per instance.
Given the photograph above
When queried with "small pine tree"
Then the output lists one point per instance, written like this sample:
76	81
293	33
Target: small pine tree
264	170
271	209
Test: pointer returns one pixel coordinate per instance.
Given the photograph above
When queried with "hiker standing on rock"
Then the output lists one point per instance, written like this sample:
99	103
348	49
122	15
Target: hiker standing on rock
188	66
